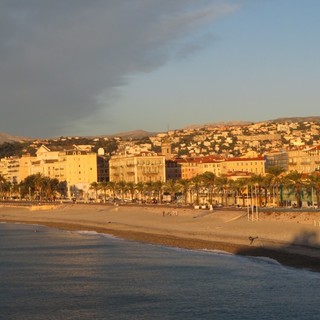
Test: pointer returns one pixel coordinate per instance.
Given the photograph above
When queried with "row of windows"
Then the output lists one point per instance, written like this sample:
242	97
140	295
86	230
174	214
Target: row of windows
247	163
148	162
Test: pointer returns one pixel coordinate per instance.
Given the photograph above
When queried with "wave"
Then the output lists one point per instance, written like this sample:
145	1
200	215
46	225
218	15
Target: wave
95	233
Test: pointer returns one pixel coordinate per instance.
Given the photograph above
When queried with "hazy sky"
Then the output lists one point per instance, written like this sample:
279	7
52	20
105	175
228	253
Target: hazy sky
88	67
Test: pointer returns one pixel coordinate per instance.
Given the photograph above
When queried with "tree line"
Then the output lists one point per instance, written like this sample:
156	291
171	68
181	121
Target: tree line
276	188
33	187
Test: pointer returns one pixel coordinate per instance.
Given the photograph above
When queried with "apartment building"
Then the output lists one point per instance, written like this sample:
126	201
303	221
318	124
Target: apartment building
144	167
277	159
173	170
189	167
254	165
9	169
302	160
15	169
76	166
212	164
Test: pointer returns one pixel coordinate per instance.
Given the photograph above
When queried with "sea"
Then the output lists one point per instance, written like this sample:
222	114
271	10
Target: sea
47	273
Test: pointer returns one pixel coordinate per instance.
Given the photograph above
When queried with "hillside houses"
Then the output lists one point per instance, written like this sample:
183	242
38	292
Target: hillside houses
223	150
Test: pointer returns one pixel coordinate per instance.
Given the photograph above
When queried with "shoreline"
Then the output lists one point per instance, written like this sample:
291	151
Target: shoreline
291	243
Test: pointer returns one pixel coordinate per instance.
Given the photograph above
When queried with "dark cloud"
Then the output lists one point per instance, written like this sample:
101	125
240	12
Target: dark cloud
58	58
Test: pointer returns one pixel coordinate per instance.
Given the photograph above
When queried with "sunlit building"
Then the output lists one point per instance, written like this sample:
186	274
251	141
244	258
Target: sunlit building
144	167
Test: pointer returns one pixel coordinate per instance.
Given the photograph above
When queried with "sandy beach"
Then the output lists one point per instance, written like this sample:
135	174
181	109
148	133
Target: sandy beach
293	239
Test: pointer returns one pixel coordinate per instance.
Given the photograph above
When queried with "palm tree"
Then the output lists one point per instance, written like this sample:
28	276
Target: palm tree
234	188
266	185
196	184
6	188
50	187
314	183
38	182
2	184
276	179
112	186
27	186
104	186
172	187
95	186
209	182
157	187
122	188
222	186
149	189
294	181
62	188
242	189
256	181
184	186
140	187
131	187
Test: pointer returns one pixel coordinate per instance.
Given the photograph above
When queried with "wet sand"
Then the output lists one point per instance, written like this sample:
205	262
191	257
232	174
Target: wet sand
292	239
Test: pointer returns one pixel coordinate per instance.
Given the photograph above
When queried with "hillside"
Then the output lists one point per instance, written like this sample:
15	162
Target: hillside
297	119
136	134
5	137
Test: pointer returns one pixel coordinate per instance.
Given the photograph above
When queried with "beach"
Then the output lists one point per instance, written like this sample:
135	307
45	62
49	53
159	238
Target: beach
293	239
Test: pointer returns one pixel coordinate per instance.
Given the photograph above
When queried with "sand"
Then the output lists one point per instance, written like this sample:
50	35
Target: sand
293	239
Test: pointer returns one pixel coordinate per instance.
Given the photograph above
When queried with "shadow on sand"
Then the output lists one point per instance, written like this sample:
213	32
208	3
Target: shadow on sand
302	252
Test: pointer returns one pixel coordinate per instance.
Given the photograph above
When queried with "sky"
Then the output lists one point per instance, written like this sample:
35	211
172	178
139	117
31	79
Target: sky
99	67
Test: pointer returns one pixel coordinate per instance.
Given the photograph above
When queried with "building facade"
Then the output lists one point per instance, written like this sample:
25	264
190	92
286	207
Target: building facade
145	167
76	166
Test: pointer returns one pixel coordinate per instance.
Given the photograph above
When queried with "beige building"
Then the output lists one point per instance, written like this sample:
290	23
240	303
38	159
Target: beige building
211	164
9	169
145	167
304	161
15	169
251	165
300	160
191	167
76	166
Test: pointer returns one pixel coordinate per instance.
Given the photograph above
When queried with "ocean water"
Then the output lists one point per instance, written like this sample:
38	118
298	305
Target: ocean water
51	274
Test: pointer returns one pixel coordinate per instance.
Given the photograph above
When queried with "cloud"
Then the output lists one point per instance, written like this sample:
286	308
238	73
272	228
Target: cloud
58	58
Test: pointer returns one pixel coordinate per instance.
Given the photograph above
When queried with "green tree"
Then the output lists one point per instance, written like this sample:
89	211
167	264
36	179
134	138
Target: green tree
276	174
209	182
96	187
122	188
140	187
2	185
294	181
184	186
112	186
314	183
62	189
157	188
172	187
256	181
104	186
196	185
222	186
131	187
242	189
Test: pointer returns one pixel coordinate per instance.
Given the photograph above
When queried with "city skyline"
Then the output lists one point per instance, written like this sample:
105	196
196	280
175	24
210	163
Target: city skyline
102	67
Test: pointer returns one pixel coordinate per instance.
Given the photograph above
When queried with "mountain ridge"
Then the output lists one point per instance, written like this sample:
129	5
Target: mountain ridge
139	133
